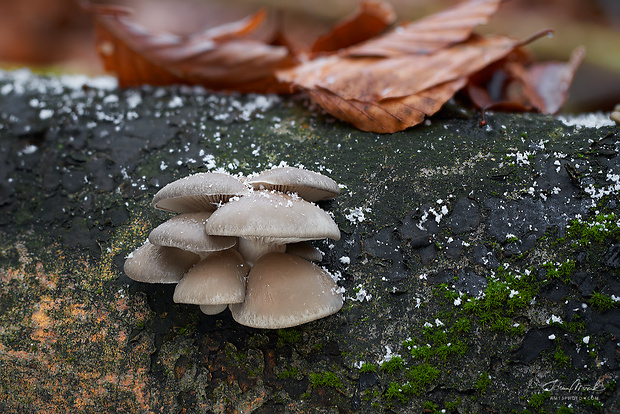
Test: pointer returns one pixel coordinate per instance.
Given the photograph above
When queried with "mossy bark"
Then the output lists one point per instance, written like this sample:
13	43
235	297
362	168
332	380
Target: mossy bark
453	259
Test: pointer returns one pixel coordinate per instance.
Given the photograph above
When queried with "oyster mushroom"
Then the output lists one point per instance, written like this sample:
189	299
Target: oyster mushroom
284	290
158	264
309	185
187	232
615	114
305	250
265	221
215	282
199	192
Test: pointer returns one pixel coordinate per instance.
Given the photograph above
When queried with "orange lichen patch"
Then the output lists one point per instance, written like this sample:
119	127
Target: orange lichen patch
48	280
252	400
137	383
6	275
121	304
42	323
77	311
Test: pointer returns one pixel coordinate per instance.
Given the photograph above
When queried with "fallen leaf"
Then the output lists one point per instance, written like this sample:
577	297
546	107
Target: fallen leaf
384	84
217	58
488	86
546	84
429	34
372	79
372	18
387	115
519	83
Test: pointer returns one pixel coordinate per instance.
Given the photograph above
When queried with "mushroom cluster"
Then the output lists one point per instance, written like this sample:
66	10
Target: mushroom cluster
242	243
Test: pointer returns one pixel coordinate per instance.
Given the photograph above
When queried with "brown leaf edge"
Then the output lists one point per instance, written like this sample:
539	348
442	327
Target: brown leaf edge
387	115
219	58
429	34
371	18
546	84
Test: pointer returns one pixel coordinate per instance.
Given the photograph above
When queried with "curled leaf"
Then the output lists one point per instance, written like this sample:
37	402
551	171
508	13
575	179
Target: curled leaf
518	82
373	79
218	58
387	115
546	84
431	33
371	19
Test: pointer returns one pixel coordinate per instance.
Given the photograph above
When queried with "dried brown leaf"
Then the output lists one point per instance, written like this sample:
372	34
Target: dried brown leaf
374	79
387	115
546	84
429	34
218	58
372	18
519	82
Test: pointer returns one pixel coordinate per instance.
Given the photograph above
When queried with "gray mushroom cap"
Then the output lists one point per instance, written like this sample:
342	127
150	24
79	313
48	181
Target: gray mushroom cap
305	250
218	279
187	232
284	290
309	185
272	217
198	192
158	264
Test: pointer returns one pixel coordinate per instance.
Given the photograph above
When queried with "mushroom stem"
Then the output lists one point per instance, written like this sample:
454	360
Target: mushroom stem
252	249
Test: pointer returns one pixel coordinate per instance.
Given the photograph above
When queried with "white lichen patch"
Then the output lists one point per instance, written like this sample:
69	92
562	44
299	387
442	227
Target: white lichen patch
356	215
361	294
387	356
458	168
591	120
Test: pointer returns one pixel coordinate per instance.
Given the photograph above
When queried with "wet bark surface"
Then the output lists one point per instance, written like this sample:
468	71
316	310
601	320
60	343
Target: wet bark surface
480	264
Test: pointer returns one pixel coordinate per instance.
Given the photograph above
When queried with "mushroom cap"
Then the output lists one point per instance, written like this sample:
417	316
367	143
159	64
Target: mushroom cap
309	185
218	279
187	232
158	264
272	217
284	290
198	192
305	250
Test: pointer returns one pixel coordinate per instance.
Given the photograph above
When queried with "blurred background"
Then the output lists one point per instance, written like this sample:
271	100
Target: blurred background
56	36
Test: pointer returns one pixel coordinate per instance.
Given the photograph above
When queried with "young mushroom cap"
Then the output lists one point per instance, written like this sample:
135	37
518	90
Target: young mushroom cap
309	185
284	290
158	264
264	221
198	192
216	281
272	217
187	232
305	250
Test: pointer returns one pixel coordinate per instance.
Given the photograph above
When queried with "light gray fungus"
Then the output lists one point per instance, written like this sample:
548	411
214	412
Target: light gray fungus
199	192
284	290
309	185
158	264
265	221
215	282
187	232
